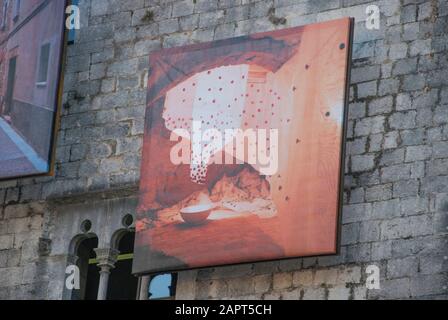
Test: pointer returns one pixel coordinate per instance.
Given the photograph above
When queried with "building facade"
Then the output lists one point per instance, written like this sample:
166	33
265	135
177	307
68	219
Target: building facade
395	211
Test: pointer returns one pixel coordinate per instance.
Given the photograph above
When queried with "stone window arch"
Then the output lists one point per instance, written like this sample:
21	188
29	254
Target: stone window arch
81	252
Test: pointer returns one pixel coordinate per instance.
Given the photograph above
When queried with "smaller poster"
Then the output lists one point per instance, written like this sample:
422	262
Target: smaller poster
31	45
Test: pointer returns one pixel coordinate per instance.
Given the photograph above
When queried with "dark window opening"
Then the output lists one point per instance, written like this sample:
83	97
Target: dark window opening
4	15
122	284
9	98
44	60
89	276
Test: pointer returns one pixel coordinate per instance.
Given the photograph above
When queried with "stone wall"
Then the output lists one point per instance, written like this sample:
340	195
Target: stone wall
396	185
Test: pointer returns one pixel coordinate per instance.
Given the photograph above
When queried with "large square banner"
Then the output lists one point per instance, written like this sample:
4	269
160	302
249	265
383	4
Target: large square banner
243	149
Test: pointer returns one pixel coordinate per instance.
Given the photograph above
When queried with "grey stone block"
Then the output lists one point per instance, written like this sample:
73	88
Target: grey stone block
224	31
260	9
424	117
399	268
144	47
356	212
375	142
437	167
402	120
209	19
413	137
428	285
417	169
362	163
391	140
363	74
404	102
435	184
369	232
357	110
413	82
411	31
398	51
380	106
12	195
379	193
381	250
369	125
357	146
405	66
386	209
31	192
190	22
363	50
395	173
6	241
357	195
425	11
405	188
414	205
408	14
434	134
441	114
390	157
430	264
417	153
205	5
392	289
176	40
237	14
169	26
366	89
440	149
388	86
350	233
358	253
182	8
420	47
412	226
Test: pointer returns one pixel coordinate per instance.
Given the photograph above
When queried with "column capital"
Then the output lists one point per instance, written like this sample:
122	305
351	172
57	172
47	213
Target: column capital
106	257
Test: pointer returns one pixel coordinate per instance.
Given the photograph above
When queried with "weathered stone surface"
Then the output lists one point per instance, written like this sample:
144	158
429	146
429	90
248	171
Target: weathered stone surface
394	214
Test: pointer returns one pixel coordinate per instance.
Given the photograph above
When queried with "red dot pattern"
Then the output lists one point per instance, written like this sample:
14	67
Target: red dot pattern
223	98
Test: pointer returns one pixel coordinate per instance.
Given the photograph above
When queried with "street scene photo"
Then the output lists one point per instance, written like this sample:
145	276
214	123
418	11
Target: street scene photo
31	34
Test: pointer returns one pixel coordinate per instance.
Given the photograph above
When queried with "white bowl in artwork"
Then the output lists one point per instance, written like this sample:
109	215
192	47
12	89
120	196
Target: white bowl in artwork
196	214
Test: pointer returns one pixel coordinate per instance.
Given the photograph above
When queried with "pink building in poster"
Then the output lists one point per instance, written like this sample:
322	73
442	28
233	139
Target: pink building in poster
31	35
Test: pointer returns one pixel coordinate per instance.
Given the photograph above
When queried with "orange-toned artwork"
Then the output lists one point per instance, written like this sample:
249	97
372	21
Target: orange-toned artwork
243	149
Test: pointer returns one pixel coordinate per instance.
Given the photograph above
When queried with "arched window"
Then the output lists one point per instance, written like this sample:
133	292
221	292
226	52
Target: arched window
89	276
122	284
